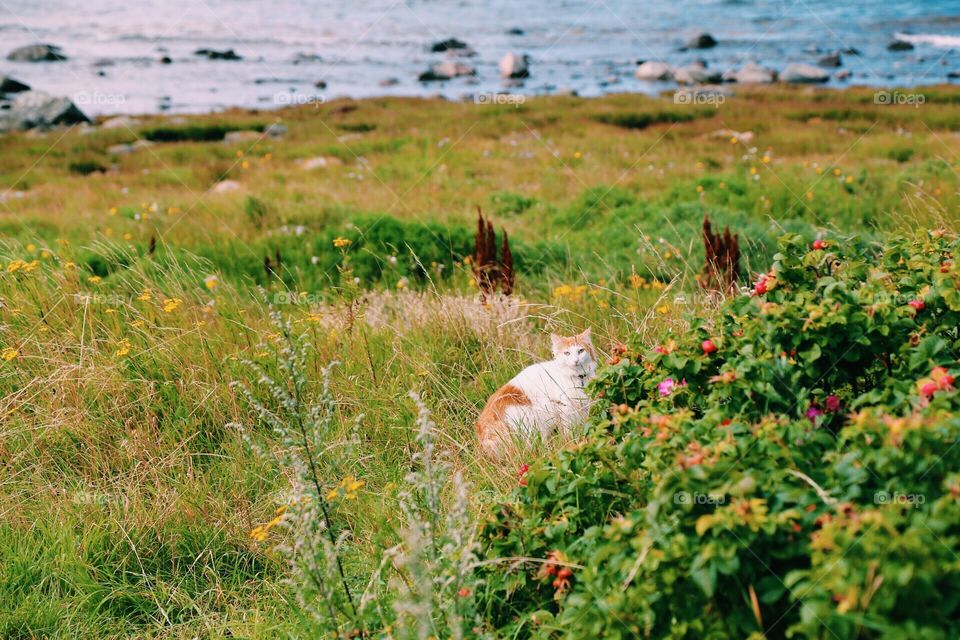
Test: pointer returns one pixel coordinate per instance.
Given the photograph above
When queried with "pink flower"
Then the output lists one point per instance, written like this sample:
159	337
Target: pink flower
666	387
813	412
760	287
832	403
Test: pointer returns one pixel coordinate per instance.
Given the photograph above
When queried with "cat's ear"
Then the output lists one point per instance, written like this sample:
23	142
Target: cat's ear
556	343
585	336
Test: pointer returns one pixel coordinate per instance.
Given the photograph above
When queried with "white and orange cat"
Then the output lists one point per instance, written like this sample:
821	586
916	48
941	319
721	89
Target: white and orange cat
543	398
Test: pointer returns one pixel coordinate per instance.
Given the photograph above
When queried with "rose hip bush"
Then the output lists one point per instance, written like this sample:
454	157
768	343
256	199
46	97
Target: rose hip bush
787	469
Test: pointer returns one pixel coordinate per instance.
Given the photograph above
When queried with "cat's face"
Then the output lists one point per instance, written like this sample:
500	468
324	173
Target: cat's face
575	352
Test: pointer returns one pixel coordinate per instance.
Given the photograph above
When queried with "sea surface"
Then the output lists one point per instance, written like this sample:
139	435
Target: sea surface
379	47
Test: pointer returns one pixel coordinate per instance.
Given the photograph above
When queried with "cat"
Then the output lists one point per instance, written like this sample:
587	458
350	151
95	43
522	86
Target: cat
544	397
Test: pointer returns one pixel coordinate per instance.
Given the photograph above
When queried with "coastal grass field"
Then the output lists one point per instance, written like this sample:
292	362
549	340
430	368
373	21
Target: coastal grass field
134	292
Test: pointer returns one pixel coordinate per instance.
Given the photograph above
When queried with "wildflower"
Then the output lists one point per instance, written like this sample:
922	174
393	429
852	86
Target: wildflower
9	354
521	473
666	387
123	348
463	592
814	412
663	309
15	266
577	155
170	304
342	243
699	188
94	279
403	282
942	377
211	282
766	159
837	172
69	266
832	404
849	180
809	195
145	296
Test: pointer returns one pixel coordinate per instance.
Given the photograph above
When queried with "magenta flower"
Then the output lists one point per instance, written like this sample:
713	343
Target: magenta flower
813	412
832	403
666	387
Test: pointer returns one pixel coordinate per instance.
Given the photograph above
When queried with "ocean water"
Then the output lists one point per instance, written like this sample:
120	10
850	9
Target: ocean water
358	46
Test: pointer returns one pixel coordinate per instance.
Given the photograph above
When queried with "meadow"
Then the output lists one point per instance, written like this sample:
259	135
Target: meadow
135	291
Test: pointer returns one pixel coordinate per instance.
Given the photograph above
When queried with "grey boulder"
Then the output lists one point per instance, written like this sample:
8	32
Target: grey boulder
9	85
696	73
751	73
515	65
39	110
798	73
653	70
37	53
702	40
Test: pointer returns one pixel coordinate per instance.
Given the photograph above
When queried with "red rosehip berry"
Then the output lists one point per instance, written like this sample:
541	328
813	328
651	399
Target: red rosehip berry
917	305
819	245
708	346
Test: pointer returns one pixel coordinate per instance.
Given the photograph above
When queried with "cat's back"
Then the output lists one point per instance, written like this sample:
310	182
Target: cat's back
537	378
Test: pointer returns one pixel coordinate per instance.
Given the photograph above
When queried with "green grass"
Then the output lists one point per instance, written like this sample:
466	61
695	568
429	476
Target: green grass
128	502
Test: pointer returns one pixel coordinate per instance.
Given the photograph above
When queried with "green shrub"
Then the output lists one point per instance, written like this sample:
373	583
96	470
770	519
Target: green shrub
788	470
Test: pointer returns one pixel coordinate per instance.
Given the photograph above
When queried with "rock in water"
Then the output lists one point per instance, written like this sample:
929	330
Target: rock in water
696	73
702	41
36	109
900	45
9	85
37	53
652	70
447	45
213	54
446	70
515	66
803	73
751	73
832	60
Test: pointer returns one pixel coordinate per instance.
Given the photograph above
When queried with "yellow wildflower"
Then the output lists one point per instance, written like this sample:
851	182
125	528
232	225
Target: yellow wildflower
9	354
170	304
211	282
342	243
143	297
94	279
123	348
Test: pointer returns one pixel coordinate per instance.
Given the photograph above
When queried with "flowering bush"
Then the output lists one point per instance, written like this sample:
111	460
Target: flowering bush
785	469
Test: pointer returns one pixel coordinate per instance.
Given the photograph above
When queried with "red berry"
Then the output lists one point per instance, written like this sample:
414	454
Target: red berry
945	267
918	305
929	389
564	573
708	346
819	244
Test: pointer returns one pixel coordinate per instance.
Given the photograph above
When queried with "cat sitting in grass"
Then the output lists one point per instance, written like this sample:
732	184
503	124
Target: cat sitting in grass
545	397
